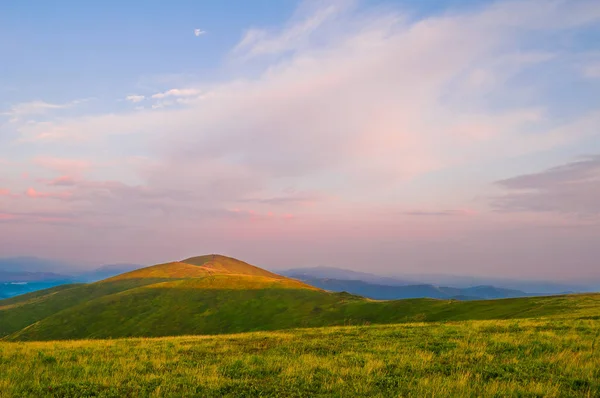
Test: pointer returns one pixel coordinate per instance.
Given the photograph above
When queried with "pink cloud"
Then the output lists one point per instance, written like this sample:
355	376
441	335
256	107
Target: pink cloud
64	166
254	215
39	217
453	212
32	193
8	193
62	181
7	216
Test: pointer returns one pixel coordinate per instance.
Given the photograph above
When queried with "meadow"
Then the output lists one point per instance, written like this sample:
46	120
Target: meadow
500	358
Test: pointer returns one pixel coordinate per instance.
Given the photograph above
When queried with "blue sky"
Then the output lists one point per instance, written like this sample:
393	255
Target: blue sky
103	47
338	132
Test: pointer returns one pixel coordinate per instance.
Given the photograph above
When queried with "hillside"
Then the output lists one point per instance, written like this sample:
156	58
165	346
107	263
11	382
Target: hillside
217	294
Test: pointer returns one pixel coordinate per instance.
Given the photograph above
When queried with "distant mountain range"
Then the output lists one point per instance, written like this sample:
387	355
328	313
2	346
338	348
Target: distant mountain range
387	292
344	274
20	275
107	271
35	264
456	281
538	286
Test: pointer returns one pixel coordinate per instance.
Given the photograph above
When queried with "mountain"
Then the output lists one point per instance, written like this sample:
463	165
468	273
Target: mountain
458	281
20	275
493	292
322	272
215	294
526	285
386	292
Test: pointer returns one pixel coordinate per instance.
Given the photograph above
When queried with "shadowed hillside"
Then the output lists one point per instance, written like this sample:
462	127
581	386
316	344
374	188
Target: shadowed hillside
216	294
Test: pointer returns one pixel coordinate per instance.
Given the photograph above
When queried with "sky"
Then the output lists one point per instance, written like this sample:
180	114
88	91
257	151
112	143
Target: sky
396	137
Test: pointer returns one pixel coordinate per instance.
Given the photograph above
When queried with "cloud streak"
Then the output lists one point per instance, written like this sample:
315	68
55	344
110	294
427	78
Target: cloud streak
33	108
258	42
34	194
176	92
573	188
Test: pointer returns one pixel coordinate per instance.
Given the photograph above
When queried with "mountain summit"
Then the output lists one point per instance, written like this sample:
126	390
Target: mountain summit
223	264
198	267
210	270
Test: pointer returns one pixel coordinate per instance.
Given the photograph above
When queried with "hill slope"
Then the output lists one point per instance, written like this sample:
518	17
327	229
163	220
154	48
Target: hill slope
217	294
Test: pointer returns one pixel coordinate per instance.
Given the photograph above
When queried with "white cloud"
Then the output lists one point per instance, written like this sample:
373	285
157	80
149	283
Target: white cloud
199	32
186	92
256	42
572	188
35	107
135	98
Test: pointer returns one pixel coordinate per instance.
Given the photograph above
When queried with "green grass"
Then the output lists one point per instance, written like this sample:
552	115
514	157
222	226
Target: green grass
21	311
502	358
137	308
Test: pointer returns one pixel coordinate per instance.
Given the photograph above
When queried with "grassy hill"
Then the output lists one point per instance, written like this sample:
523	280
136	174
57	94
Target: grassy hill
216	295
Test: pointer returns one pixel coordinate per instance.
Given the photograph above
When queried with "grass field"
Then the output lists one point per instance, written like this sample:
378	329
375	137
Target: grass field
503	358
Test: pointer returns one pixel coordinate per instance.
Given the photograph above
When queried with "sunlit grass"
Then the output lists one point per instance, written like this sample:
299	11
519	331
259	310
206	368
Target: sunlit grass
552	357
